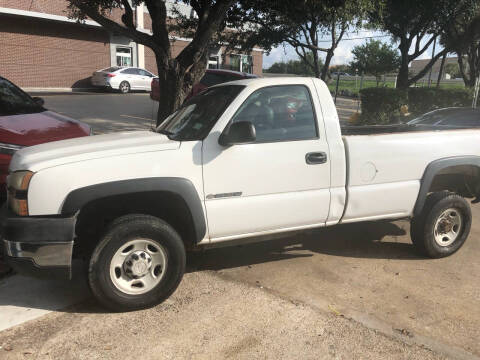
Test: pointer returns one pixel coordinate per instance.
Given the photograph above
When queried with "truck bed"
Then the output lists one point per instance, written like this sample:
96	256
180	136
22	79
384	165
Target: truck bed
385	165
396	128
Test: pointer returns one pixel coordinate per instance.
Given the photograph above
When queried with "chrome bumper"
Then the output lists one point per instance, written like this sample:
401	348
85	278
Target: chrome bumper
37	246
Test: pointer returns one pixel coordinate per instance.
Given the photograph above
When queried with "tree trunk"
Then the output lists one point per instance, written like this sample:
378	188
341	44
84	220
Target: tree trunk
328	59
440	74
316	69
170	81
469	82
402	79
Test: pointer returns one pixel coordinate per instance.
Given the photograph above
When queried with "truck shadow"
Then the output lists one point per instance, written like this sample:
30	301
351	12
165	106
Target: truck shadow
374	240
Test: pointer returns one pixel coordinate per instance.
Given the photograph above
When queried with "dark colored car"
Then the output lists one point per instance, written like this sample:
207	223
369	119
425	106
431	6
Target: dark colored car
454	117
25	122
211	77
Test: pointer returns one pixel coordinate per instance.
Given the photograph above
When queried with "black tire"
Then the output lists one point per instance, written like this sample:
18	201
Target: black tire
121	231
124	87
422	227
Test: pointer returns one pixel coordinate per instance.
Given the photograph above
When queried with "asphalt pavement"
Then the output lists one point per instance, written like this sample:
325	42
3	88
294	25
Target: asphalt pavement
107	112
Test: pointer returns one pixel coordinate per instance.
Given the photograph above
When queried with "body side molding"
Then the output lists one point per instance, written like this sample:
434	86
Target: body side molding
433	169
179	186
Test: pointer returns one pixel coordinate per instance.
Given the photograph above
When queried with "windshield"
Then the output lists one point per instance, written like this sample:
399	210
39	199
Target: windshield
197	116
14	101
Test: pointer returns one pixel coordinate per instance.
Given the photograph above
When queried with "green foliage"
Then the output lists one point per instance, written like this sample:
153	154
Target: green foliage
375	58
461	36
453	70
422	100
297	67
415	24
383	105
302	24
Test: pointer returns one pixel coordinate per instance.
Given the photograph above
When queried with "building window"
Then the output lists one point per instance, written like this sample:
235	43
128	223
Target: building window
213	62
124	56
242	63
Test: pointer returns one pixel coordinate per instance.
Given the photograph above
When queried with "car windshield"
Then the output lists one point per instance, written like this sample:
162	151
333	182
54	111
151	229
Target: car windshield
197	116
14	101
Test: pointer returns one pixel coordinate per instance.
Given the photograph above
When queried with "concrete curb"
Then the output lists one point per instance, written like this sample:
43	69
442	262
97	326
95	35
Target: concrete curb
57	90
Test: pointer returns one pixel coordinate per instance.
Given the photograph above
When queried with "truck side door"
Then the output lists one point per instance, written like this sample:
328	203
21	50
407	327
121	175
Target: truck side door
279	182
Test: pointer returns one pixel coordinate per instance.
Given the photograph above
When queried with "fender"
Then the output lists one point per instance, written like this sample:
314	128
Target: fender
179	186
433	169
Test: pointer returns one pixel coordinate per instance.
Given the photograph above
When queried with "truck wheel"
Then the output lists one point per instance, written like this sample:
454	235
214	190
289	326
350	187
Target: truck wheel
139	262
443	226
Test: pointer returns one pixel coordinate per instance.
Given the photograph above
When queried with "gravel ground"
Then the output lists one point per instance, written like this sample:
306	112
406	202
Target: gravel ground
207	318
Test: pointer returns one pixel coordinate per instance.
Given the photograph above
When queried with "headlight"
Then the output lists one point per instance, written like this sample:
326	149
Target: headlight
9	149
17	186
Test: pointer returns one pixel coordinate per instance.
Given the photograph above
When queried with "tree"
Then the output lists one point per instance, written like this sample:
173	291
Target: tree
462	37
301	24
415	25
296	67
453	70
177	74
375	58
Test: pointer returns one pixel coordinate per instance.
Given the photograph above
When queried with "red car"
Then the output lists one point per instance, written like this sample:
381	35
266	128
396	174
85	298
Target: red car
211	77
25	122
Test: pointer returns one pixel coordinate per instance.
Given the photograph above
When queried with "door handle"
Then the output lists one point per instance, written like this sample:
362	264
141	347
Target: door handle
314	158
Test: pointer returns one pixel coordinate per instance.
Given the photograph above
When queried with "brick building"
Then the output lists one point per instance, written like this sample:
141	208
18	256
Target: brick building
41	48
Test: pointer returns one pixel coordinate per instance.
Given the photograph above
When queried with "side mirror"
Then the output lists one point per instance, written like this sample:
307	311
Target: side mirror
39	101
242	132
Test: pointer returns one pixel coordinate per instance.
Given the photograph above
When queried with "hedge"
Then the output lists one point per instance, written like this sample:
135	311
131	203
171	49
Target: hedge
383	105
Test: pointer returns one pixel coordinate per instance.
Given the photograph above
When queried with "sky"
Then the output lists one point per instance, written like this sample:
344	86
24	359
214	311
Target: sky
343	53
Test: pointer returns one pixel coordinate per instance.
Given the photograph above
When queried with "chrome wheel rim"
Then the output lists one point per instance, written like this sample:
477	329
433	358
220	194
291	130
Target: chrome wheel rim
448	227
138	266
124	87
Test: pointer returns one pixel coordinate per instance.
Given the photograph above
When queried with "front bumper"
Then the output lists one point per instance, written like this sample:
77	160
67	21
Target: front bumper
39	246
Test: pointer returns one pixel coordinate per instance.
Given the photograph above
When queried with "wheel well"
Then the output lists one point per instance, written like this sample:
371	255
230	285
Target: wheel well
95	216
461	179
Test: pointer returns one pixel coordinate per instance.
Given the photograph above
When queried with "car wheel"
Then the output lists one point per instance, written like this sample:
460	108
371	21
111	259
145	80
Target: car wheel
124	87
138	263
443	226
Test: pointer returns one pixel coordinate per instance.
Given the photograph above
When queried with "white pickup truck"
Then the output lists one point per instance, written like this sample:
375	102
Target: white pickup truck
241	161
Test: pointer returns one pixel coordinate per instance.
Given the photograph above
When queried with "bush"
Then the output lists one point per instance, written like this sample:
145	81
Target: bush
383	105
422	100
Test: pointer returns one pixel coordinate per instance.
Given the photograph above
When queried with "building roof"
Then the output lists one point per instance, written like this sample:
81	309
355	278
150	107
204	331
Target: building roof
418	65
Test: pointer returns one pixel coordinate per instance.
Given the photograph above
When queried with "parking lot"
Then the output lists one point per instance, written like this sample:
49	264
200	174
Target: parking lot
352	291
107	112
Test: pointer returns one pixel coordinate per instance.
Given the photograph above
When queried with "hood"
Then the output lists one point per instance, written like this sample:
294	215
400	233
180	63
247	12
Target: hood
62	152
38	128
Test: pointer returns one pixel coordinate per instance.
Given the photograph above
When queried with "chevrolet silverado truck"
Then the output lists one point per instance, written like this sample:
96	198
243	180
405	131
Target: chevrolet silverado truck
240	162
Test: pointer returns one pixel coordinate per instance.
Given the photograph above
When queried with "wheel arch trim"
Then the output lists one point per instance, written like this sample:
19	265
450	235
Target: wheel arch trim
433	169
182	187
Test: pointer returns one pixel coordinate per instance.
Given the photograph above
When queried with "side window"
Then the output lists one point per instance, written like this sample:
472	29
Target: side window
144	73
280	113
130	71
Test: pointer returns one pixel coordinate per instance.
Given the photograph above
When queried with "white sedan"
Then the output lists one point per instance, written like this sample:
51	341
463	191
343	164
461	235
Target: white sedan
123	79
